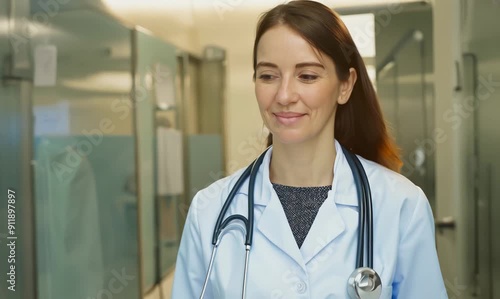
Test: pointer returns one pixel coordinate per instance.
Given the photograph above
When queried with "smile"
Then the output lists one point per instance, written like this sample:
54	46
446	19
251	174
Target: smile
288	118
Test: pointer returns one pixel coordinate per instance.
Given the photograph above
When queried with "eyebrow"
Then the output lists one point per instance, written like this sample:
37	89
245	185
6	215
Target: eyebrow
305	64
298	65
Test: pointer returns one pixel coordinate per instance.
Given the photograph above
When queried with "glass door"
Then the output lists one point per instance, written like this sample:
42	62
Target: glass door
160	152
482	70
84	158
406	96
16	210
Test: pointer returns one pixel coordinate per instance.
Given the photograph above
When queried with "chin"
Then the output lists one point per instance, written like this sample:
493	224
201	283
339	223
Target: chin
289	138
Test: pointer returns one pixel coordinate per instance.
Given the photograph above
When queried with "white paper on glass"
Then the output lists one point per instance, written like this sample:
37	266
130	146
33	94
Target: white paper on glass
52	120
170	161
164	86
45	65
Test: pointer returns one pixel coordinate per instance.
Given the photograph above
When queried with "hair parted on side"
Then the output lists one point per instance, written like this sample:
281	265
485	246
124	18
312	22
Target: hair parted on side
359	124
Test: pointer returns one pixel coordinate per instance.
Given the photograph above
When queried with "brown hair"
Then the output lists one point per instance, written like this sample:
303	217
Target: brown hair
359	124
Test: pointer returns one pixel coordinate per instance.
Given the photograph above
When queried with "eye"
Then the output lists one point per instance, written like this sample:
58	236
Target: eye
266	77
308	77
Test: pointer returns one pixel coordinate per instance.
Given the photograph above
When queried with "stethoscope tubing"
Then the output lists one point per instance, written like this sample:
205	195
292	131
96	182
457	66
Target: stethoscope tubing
218	224
365	218
361	204
251	171
369	209
223	224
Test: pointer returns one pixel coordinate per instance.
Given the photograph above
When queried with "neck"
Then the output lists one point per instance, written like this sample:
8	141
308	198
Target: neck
303	165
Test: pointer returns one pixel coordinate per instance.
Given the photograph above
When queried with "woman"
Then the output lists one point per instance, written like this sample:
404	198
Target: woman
314	95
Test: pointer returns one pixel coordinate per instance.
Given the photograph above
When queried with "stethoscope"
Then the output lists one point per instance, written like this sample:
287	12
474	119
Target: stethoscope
364	282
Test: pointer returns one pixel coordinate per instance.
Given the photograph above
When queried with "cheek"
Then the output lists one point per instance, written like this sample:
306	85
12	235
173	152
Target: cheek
264	96
320	98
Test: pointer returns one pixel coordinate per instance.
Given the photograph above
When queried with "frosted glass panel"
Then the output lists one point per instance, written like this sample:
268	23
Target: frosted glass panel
84	150
205	161
405	89
488	137
155	86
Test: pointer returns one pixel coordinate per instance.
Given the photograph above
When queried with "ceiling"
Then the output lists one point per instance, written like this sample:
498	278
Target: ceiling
253	4
185	11
185	18
187	22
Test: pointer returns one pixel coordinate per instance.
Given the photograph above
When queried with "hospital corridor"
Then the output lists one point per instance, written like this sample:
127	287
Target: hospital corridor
114	114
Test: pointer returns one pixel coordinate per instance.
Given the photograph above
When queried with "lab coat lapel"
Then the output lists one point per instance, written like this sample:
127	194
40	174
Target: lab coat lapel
329	223
327	226
273	223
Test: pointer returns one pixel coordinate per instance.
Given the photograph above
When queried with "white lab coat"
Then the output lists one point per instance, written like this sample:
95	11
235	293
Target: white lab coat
404	245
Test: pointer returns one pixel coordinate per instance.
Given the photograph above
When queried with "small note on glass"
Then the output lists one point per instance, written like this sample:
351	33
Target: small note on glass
164	85
45	64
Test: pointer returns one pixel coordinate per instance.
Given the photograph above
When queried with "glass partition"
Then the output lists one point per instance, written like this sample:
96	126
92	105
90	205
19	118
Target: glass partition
406	92
84	158
16	213
413	109
482	72
387	90
160	152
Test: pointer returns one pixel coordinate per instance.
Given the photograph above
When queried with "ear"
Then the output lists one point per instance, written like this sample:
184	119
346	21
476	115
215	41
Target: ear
347	86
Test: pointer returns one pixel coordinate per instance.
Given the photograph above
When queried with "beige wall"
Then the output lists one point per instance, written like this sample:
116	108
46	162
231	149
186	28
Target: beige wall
191	28
235	33
169	20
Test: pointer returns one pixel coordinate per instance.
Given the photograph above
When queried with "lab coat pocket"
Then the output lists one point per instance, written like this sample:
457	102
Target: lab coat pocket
386	292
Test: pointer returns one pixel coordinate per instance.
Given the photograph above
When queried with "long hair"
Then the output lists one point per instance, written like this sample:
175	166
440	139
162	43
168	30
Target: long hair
359	124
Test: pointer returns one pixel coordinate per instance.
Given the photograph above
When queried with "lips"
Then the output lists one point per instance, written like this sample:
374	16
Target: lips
288	118
288	114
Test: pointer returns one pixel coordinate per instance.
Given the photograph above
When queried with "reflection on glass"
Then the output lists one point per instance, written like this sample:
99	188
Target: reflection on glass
160	155
170	188
414	115
84	156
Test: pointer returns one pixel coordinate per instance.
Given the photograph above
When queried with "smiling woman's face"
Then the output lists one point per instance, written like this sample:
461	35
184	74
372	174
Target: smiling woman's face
296	86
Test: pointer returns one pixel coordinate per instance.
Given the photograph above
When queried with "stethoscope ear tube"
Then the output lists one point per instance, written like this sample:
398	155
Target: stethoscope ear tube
361	203
368	212
364	282
251	192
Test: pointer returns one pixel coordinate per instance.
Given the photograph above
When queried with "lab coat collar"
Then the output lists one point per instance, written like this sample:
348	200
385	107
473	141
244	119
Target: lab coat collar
345	193
343	181
328	224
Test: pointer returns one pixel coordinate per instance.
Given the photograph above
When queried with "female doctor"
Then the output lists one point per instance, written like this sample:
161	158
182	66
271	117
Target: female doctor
316	99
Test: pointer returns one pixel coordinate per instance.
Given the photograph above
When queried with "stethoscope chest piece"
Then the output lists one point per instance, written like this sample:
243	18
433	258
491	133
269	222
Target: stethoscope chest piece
364	283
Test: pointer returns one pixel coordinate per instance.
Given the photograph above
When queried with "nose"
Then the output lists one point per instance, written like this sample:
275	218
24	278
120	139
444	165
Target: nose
286	92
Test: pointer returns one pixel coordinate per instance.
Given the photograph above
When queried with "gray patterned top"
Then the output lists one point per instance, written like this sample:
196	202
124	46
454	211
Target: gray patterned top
301	205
